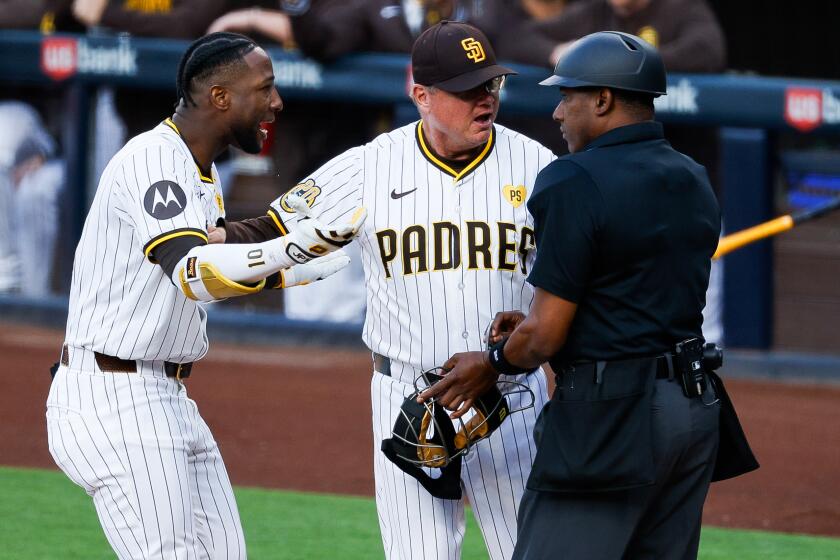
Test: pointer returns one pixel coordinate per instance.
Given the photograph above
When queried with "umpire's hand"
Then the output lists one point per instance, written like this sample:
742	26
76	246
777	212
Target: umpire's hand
469	375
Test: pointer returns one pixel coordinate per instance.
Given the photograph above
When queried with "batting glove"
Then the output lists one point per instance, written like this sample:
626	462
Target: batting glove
316	269
312	238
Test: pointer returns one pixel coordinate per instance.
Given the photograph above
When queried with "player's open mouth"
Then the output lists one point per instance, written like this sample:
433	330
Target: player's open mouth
484	119
264	131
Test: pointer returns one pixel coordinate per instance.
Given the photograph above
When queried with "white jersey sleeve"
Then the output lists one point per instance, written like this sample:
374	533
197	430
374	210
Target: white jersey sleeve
333	192
157	195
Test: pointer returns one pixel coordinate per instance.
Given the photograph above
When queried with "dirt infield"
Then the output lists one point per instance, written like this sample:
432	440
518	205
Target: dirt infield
299	419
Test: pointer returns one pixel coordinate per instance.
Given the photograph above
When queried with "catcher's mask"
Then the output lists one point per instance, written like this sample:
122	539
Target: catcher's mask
424	435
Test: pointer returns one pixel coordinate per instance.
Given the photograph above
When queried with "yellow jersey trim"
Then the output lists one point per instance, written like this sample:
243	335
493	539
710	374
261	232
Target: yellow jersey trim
278	223
204	179
171	124
155	241
456	176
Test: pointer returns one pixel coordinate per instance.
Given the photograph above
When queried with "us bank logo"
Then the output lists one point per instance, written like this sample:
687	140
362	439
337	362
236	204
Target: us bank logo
63	57
58	57
164	200
803	108
807	108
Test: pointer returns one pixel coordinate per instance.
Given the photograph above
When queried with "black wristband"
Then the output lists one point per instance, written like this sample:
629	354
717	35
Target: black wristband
499	363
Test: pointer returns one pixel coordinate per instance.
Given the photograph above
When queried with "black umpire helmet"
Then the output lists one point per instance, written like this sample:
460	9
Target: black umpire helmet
611	59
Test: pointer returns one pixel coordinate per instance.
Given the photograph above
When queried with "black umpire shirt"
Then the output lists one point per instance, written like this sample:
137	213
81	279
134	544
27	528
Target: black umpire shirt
625	228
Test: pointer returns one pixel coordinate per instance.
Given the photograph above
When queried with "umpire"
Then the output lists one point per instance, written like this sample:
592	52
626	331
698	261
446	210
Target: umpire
625	227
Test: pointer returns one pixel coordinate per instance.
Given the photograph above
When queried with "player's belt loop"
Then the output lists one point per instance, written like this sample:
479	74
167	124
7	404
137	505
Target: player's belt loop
178	371
382	364
114	364
65	355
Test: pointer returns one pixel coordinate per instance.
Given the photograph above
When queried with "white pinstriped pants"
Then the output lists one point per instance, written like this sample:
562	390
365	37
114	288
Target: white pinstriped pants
138	446
417	526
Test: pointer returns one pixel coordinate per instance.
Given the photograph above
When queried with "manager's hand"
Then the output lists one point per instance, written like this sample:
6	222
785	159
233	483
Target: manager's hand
216	234
469	375
504	323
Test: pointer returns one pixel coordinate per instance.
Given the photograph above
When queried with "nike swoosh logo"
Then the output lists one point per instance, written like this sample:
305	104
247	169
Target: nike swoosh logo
396	196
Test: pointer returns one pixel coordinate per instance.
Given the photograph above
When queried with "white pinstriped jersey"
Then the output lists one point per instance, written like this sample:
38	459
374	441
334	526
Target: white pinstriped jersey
121	303
443	252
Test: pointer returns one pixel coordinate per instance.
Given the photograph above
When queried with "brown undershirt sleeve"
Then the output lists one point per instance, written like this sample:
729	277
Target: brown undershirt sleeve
251	230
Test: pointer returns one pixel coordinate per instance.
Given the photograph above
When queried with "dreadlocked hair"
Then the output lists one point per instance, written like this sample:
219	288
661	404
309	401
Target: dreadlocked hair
208	54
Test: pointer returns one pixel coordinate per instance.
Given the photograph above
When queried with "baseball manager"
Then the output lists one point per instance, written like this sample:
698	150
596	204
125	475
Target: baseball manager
448	244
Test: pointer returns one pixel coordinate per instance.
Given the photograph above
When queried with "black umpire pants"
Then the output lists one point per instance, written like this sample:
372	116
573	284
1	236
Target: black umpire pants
660	521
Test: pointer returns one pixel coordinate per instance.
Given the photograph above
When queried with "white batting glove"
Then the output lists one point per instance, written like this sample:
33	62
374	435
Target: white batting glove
316	269
312	238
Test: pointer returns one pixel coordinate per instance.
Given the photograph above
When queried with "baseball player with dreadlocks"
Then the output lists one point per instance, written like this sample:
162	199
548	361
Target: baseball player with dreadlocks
119	420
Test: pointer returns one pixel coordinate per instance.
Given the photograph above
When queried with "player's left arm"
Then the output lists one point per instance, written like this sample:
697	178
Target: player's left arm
212	284
218	271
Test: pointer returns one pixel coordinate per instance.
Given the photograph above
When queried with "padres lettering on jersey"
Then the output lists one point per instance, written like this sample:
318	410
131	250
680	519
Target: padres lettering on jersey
435	240
442	249
122	303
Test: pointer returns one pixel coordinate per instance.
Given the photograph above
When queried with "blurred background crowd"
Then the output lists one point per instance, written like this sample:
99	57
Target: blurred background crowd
694	36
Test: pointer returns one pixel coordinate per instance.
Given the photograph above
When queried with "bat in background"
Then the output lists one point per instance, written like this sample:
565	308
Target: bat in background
775	226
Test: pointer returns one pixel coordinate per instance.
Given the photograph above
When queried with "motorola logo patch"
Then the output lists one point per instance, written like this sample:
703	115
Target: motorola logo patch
164	200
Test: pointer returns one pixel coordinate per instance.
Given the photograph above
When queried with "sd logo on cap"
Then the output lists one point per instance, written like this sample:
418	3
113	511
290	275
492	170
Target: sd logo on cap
454	57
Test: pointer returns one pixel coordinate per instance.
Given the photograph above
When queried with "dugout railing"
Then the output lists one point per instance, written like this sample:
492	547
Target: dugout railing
747	109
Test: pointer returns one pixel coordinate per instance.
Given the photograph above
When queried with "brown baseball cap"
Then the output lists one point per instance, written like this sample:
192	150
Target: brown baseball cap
454	57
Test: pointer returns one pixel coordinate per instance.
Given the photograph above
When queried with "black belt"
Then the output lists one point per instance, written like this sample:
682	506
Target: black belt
118	365
382	364
664	366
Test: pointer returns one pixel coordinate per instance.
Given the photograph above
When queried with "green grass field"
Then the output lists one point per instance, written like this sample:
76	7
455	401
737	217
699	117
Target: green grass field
44	516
